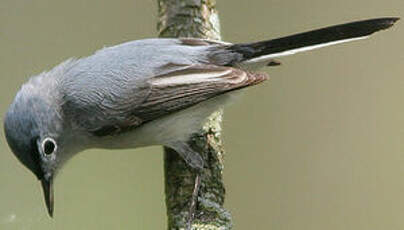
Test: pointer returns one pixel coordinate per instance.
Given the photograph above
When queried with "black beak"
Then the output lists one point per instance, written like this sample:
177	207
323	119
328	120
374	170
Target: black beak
47	186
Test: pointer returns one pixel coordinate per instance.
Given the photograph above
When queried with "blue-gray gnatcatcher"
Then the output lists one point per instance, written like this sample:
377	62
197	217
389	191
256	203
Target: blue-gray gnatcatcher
141	93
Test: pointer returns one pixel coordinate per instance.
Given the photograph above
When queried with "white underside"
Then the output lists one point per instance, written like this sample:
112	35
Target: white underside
175	127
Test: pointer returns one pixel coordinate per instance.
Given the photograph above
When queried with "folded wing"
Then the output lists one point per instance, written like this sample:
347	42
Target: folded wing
179	89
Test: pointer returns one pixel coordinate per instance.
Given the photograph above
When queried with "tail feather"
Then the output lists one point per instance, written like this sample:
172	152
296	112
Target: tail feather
266	50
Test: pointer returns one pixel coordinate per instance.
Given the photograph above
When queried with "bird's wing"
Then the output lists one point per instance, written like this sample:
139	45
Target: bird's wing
181	88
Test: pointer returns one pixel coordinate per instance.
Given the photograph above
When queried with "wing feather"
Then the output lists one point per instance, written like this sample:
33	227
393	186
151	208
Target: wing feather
178	90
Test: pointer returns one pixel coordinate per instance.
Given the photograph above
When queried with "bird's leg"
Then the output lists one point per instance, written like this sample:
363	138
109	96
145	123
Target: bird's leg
196	162
190	156
194	200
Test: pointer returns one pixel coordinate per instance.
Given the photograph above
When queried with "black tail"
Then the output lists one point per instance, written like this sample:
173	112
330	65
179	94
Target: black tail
265	50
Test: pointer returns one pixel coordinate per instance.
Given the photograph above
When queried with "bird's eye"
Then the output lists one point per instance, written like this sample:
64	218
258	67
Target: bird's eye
48	146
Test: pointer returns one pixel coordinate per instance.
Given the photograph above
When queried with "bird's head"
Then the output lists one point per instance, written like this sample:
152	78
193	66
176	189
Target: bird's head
33	131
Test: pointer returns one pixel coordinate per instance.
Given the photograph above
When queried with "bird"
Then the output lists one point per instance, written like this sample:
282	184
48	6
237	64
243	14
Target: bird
155	91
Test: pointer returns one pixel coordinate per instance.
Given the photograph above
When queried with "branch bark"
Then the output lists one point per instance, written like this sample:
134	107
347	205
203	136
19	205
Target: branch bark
195	18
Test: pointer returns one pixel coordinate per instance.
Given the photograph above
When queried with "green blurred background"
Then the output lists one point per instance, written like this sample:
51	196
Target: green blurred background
319	146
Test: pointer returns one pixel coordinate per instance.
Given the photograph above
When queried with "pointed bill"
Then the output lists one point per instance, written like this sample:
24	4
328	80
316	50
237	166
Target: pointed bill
47	187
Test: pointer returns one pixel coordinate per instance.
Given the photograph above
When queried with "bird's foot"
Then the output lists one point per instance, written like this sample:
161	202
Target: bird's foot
194	200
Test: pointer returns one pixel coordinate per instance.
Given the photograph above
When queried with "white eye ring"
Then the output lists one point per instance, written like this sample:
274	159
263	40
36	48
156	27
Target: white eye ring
49	146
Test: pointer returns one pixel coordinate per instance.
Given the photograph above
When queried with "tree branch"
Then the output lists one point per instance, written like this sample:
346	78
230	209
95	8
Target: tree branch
195	18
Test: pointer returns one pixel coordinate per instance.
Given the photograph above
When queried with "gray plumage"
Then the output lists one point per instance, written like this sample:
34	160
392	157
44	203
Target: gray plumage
146	92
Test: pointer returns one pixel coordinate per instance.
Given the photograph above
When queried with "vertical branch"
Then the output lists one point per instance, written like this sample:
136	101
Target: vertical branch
188	18
195	18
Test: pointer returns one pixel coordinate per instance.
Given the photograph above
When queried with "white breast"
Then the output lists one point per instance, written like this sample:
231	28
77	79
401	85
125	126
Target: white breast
175	127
